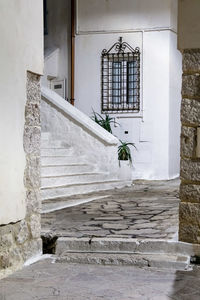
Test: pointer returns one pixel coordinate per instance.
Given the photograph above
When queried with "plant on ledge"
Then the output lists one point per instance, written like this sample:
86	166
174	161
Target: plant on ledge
105	123
124	152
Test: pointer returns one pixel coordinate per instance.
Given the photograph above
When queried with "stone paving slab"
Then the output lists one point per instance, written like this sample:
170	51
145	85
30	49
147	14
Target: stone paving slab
62	281
146	210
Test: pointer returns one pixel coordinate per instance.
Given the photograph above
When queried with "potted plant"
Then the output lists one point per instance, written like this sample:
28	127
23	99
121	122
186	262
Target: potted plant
105	123
125	160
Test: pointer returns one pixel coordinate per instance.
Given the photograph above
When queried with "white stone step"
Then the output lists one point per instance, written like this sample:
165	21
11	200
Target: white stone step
45	136
128	246
59	204
157	253
80	188
49	143
53	181
161	261
61	160
66	169
56	151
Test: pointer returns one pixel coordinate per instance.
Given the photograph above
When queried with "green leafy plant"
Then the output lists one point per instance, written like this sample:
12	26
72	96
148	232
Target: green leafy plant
105	123
124	152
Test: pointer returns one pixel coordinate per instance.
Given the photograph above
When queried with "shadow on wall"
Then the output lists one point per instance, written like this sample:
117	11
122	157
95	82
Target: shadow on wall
186	285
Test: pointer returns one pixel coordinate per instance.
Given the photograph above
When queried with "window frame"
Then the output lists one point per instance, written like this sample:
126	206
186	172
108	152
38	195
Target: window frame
122	53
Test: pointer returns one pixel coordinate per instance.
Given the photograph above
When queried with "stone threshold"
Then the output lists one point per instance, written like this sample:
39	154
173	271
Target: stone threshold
161	261
137	252
130	245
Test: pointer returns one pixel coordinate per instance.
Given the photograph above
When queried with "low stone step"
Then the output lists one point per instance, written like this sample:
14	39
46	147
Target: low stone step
49	143
56	151
80	188
61	160
147	252
154	260
126	246
66	169
61	203
45	135
55	181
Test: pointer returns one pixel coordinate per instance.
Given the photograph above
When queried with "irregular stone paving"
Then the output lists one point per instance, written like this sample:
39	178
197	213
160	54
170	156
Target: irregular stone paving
146	210
62	281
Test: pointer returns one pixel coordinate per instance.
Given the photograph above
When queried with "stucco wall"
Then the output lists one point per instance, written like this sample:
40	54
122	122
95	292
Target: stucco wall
155	130
174	106
59	36
95	15
21	49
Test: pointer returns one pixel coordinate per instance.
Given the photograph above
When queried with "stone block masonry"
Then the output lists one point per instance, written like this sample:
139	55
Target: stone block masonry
189	215
21	241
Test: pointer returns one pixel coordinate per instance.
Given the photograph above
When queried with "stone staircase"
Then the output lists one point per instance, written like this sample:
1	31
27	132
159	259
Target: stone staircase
77	155
64	173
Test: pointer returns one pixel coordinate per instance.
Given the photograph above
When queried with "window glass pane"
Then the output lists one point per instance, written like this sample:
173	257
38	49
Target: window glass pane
132	79
116	82
124	82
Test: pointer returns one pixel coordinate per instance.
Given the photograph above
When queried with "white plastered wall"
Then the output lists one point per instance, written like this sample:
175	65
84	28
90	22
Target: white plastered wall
150	26
59	36
174	106
118	15
21	36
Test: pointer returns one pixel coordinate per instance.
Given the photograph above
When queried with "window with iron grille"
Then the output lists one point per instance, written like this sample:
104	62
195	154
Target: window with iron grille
121	78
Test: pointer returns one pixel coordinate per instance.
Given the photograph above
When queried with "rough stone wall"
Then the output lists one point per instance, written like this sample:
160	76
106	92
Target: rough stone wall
21	241
189	215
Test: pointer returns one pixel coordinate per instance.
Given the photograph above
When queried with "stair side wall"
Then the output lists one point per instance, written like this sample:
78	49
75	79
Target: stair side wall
103	156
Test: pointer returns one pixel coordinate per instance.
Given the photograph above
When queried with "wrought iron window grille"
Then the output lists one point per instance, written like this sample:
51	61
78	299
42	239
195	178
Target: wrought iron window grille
120	78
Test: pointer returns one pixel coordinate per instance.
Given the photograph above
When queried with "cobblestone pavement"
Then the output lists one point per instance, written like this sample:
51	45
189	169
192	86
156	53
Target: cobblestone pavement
61	281
145	210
